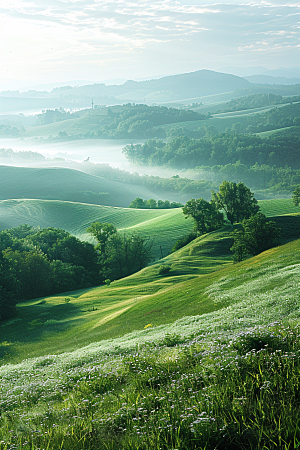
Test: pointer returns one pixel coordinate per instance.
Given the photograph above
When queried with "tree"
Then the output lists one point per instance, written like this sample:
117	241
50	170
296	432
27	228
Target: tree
151	203
257	235
127	255
296	196
236	200
138	203
103	232
205	214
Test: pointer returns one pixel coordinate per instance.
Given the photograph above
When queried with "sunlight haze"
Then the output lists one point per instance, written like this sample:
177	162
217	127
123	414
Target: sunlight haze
56	41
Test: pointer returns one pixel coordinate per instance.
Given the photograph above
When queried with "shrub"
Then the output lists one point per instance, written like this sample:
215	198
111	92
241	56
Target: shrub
164	269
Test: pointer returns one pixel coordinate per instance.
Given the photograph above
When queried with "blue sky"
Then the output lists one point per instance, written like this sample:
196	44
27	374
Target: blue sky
43	41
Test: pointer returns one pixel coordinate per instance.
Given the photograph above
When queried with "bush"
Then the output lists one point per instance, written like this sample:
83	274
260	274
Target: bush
164	269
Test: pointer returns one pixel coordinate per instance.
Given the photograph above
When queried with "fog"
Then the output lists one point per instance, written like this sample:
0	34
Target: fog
70	153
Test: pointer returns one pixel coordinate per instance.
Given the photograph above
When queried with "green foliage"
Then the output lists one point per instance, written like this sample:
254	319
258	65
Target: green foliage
139	203
39	262
296	196
205	214
256	236
102	232
120	255
236	200
250	102
54	115
182	152
164	269
126	255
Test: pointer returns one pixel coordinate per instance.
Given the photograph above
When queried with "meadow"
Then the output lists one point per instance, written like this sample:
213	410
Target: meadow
227	378
204	356
76	217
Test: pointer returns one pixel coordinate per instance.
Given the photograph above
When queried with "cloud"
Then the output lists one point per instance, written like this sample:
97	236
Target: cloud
166	34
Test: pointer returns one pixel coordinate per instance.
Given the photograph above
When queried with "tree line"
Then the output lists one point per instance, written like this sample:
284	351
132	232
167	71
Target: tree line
280	150
153	204
39	262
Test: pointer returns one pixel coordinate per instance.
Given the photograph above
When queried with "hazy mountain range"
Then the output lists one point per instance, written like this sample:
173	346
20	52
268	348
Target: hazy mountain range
199	86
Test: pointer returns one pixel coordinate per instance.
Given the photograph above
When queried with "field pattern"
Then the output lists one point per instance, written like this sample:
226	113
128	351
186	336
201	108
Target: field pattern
162	225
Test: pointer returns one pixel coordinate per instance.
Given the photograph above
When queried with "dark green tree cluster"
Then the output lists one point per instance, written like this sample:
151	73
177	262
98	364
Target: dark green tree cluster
153	204
296	196
256	235
138	120
119	255
238	204
205	215
54	115
234	202
40	262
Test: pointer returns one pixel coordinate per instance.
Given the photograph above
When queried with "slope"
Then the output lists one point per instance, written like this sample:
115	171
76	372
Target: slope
168	224
202	280
66	184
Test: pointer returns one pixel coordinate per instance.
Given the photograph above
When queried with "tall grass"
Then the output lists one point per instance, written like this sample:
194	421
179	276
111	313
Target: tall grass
229	379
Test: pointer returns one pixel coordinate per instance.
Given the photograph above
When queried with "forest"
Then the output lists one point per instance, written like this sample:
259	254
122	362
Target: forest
279	150
37	262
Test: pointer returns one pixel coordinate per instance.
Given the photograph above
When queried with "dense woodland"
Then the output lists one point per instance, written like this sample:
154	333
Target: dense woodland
39	262
281	150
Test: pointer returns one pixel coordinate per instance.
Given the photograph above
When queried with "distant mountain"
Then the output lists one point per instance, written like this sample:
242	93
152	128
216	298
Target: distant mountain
170	88
177	87
267	79
246	72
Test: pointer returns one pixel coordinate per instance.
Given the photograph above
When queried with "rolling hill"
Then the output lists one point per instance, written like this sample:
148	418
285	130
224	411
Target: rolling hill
202	280
123	365
164	226
66	184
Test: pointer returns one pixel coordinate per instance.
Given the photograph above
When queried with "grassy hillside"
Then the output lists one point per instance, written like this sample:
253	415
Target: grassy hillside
164	226
204	357
70	320
66	184
89	122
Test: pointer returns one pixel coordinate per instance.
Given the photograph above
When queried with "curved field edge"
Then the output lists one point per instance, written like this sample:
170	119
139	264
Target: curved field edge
163	226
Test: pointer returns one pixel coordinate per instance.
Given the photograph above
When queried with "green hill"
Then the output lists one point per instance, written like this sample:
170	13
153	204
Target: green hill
166	359
71	320
164	226
67	184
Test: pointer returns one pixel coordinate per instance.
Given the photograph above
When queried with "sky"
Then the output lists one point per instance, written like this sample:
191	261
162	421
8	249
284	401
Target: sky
47	41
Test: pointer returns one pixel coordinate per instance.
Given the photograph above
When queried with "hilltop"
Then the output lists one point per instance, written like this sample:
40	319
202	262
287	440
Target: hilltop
66	184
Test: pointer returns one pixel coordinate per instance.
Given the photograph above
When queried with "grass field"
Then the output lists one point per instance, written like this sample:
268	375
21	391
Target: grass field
66	184
204	357
74	319
229	363
162	225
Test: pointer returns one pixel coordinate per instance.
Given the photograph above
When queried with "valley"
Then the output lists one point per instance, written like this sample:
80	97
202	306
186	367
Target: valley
194	351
